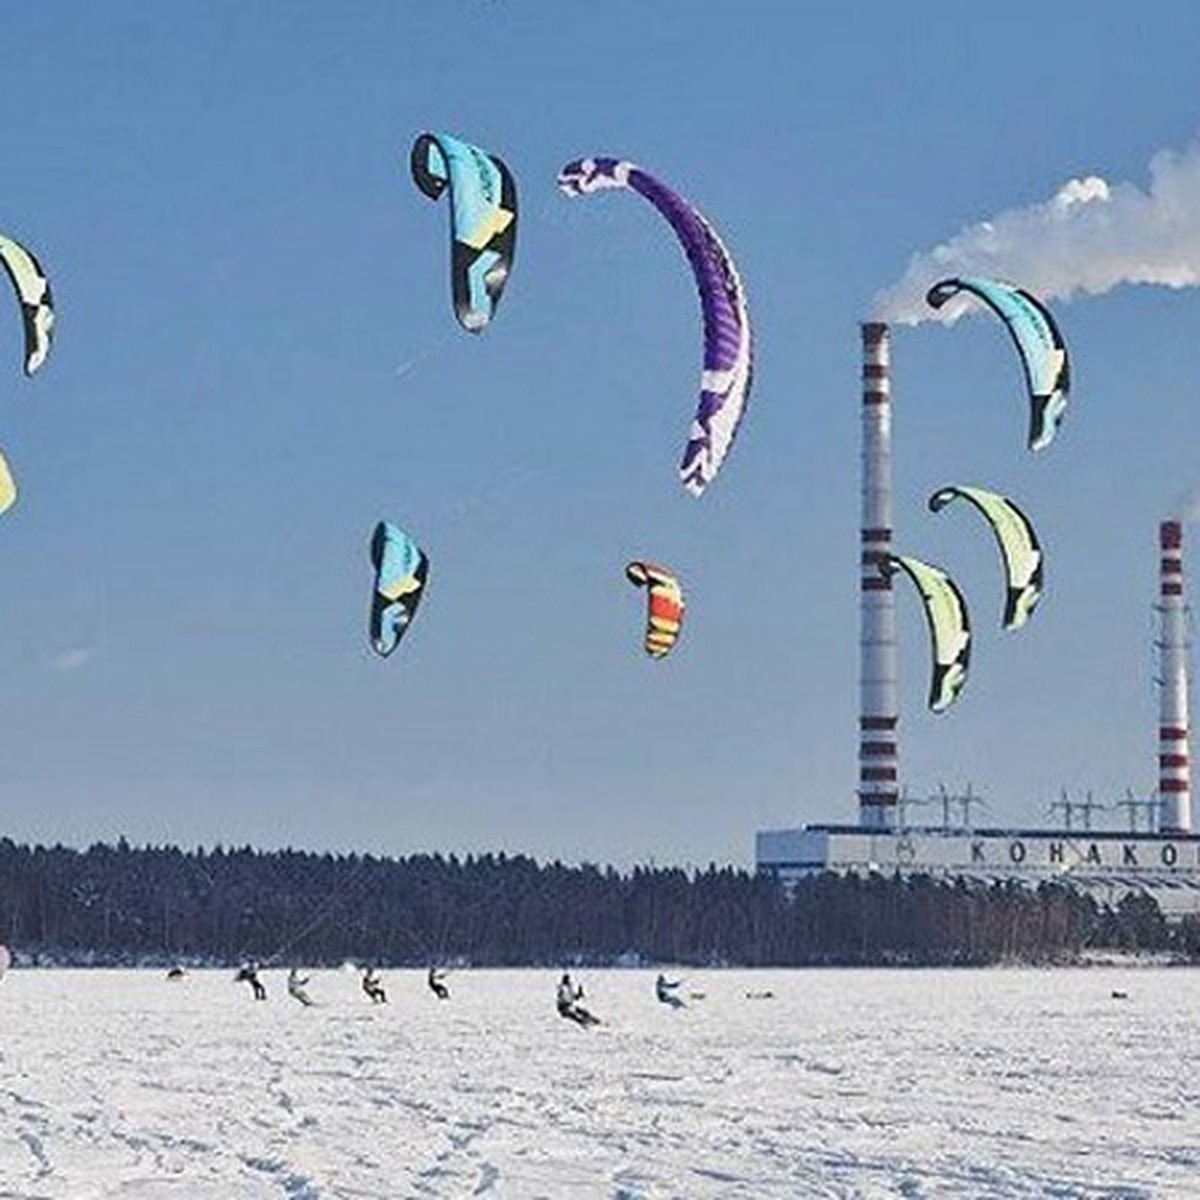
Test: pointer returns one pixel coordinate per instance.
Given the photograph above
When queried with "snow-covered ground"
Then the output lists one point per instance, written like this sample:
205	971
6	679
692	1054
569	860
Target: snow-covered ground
973	1084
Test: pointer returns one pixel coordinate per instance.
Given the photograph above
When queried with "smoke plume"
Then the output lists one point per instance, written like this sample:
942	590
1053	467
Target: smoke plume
1089	237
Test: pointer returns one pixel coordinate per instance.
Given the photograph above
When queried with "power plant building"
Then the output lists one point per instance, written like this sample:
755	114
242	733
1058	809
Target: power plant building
1162	860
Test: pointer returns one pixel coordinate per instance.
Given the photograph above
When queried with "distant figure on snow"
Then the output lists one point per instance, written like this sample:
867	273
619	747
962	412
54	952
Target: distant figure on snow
664	989
296	985
176	973
372	985
568	1004
249	974
437	983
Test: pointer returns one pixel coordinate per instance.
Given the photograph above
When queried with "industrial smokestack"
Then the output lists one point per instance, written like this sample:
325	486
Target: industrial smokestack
877	755
1174	770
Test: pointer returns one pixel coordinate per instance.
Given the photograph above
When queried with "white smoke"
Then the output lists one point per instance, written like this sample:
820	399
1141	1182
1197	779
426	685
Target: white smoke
1089	237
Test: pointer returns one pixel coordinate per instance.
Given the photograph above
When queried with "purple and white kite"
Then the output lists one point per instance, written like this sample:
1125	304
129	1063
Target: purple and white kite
728	357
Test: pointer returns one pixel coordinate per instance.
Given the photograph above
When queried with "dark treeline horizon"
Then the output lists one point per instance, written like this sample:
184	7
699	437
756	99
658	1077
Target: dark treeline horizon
121	905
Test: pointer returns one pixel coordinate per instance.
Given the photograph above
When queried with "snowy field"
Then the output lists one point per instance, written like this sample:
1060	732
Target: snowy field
974	1084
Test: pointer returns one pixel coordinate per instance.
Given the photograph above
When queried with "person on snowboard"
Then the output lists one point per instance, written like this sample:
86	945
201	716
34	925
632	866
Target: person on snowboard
437	985
372	985
664	989
296	984
249	974
568	1005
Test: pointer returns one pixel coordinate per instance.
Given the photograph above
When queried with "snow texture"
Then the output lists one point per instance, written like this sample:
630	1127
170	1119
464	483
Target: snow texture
873	1084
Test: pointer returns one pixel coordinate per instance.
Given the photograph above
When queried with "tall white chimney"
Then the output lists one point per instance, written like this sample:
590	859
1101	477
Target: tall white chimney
878	789
1174	769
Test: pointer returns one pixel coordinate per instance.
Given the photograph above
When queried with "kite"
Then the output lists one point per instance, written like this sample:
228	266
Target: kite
483	220
401	569
1018	546
664	611
37	304
728	343
949	626
8	487
1039	343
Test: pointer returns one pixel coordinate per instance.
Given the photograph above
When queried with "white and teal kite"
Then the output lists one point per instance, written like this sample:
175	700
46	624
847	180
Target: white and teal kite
1038	341
483	220
401	570
1018	547
949	626
33	292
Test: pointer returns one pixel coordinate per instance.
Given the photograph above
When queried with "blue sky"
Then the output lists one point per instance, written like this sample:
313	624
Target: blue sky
256	360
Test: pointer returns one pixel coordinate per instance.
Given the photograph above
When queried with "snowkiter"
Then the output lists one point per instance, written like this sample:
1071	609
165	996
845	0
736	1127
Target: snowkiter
569	995
296	984
436	980
249	974
372	985
664	989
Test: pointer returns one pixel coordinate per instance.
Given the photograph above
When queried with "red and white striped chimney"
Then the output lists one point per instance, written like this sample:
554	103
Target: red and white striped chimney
877	755
1174	770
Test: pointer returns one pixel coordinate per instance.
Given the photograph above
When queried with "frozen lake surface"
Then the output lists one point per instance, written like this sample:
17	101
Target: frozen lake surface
972	1084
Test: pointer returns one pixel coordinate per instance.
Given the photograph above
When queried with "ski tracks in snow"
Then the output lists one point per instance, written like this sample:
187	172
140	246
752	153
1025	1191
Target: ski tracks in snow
867	1085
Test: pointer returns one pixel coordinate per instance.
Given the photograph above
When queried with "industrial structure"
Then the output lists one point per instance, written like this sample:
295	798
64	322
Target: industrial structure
1174	772
878	761
1162	860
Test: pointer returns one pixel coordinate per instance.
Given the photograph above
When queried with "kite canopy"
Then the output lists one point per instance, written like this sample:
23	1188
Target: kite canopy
37	304
401	569
8	487
728	351
664	605
483	220
1018	547
1039	343
949	626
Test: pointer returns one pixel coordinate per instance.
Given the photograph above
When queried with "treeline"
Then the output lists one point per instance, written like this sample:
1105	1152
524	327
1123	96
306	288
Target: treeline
121	905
